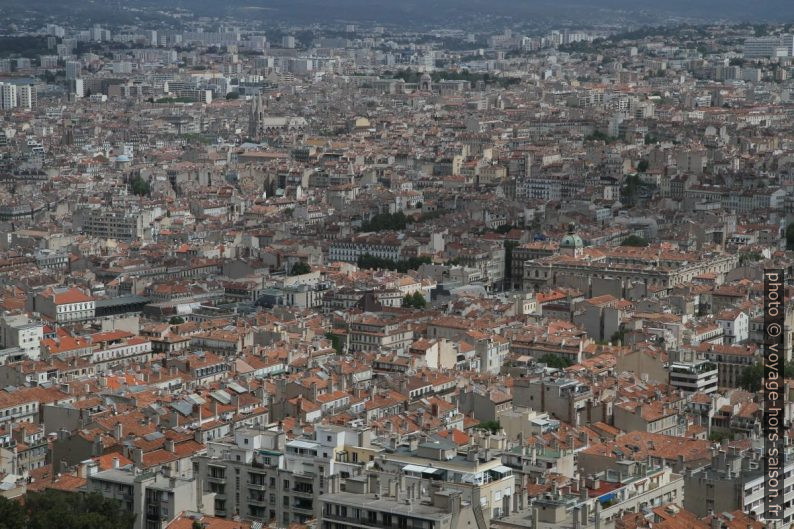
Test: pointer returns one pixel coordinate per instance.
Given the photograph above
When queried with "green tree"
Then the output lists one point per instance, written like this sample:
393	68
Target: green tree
752	377
233	95
176	320
509	246
385	221
555	361
299	268
336	343
12	516
642	166
491	426
634	240
66	510
140	186
414	301
600	136
370	262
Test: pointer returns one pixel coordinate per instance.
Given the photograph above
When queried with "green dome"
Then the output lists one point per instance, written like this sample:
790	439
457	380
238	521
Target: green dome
571	241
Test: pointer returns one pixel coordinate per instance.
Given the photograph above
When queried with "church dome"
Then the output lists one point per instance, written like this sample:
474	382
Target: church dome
571	240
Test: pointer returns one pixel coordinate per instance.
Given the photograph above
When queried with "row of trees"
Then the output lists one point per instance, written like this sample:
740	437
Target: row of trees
65	510
752	377
386	221
370	262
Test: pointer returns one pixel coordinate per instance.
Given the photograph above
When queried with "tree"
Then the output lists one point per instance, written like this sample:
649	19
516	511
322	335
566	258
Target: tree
140	186
600	136
65	510
555	361
415	301
336	343
233	95
12	515
385	221
509	246
642	166
751	377
300	268
491	426
634	240
370	262
176	320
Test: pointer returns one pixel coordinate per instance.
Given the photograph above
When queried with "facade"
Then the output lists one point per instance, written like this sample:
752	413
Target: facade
156	499
693	377
258	475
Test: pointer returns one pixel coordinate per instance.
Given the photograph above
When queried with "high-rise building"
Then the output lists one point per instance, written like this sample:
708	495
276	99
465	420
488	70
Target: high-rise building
26	96
73	69
8	96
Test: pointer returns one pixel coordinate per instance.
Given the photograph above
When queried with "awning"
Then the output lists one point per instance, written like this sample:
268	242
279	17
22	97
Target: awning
419	469
502	469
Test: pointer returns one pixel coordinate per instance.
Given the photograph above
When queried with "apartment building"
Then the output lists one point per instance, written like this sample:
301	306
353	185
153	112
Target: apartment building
730	360
646	266
156	498
694	376
119	224
566	399
373	333
259	475
358	507
21	332
735	480
480	477
382	246
64	305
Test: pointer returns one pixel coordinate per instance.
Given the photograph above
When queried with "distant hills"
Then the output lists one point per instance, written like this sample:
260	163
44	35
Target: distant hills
407	11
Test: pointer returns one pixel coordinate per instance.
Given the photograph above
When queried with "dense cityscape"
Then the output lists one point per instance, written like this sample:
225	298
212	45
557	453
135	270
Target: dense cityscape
358	274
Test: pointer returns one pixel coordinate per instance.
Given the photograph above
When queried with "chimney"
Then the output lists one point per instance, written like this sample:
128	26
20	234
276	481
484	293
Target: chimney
169	445
137	456
716	523
118	431
115	462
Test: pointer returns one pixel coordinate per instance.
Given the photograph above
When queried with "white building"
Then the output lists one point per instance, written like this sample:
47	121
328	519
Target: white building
735	326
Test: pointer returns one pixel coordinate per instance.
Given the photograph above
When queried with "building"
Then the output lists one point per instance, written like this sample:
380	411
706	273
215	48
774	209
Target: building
258	475
64	305
693	377
734	480
156	498
765	48
358	508
22	332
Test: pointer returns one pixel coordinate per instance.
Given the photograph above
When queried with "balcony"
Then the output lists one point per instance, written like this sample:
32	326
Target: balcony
376	524
303	491
254	500
257	485
303	506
